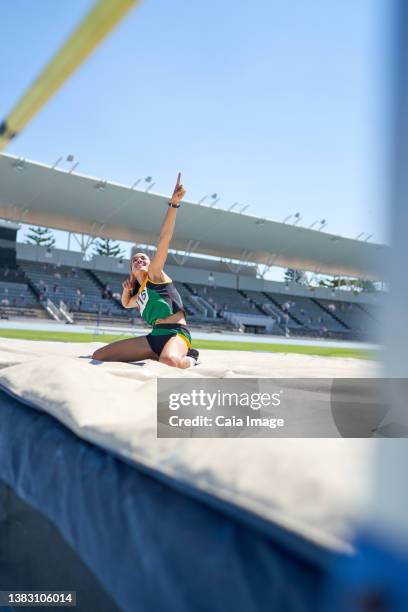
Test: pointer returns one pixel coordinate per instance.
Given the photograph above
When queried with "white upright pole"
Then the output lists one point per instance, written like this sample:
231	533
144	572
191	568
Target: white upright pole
388	506
376	576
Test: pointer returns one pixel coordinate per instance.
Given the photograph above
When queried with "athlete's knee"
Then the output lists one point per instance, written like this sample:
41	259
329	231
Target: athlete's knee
99	354
170	360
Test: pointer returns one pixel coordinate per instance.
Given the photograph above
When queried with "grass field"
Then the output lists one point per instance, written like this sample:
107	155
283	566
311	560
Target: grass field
325	351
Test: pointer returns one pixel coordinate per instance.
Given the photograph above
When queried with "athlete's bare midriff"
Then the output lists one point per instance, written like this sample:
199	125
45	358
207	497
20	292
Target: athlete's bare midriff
176	317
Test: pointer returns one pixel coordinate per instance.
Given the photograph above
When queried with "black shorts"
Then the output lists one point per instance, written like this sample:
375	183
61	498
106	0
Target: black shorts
162	332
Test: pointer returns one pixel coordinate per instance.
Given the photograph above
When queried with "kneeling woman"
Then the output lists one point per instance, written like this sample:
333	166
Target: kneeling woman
151	290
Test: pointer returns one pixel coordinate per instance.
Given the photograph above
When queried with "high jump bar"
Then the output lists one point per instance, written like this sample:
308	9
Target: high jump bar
102	18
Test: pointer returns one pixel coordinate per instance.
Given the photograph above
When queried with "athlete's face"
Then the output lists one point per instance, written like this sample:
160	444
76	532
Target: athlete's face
140	261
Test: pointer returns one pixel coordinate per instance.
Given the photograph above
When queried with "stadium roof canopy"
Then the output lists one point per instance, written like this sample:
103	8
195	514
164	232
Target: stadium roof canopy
38	194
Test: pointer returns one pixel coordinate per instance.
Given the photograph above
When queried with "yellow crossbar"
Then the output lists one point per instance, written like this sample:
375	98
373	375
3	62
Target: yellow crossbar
91	31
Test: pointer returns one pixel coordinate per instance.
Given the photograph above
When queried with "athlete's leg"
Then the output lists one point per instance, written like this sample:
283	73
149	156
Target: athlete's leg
132	349
174	353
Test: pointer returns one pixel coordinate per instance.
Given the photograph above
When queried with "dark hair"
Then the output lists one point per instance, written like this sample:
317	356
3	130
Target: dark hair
136	284
136	287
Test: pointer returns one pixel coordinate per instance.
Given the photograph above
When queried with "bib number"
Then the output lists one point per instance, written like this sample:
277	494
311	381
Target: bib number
142	300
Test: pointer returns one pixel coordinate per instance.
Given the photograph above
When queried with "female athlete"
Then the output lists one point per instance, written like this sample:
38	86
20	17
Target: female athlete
152	291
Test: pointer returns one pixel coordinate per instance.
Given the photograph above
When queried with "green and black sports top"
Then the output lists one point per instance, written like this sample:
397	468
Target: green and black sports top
157	300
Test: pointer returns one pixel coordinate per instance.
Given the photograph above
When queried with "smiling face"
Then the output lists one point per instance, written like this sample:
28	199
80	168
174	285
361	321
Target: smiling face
140	261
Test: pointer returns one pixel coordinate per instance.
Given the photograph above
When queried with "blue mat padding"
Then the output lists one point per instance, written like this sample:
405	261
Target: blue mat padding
153	546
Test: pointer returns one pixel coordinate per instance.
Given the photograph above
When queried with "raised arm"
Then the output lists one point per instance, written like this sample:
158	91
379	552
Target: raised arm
166	233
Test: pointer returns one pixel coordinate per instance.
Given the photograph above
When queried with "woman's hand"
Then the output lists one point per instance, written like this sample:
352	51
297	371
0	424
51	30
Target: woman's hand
179	191
166	233
127	285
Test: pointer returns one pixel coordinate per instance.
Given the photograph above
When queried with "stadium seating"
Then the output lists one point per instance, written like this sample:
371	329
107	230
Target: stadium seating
16	295
74	286
11	275
93	296
304	312
372	310
223	298
266	306
111	280
348	313
16	298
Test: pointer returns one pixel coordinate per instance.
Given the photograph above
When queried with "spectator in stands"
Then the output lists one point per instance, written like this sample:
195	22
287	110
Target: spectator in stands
109	290
22	298
5	302
55	289
211	280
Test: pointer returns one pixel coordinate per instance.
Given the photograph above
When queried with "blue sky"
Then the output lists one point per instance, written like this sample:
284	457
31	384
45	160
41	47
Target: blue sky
279	105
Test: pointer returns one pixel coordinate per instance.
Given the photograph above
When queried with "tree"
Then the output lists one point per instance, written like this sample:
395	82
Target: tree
295	276
353	284
108	248
341	282
41	236
367	286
